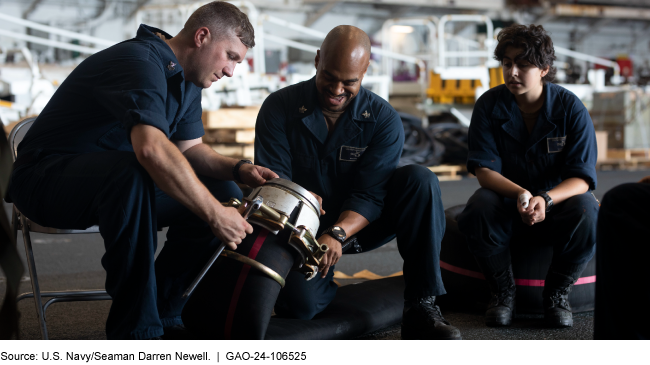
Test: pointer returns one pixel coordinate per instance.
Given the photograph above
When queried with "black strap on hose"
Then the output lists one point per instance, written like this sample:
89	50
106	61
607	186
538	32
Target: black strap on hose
351	243
10	262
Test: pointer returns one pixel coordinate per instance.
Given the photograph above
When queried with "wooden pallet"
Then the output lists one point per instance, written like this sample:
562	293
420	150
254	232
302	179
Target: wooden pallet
234	150
230	118
447	172
623	164
628	154
625	159
229	136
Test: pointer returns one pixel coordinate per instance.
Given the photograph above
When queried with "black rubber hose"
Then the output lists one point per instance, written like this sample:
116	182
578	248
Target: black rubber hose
234	300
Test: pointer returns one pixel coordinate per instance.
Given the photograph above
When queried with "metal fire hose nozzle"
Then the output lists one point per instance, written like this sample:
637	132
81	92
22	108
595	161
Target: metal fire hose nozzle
300	236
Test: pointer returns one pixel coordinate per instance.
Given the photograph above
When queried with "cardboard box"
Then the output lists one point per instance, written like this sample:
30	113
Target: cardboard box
232	118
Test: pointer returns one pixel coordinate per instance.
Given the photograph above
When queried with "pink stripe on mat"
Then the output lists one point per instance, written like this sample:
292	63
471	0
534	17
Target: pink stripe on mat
520	282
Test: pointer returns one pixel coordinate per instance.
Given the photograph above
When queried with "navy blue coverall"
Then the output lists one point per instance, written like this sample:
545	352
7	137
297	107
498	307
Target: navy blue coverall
76	168
561	145
353	169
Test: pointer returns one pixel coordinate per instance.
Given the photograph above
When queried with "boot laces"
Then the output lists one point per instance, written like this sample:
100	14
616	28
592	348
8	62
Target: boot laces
504	296
559	298
432	311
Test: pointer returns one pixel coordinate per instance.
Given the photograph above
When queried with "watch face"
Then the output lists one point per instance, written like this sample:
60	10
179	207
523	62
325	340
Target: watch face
338	232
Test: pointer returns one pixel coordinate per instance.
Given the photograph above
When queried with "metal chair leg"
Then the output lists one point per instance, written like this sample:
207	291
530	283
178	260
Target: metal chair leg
34	279
15	223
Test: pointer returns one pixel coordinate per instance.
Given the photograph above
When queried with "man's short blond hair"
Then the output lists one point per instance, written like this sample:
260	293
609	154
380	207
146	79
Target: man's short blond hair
223	20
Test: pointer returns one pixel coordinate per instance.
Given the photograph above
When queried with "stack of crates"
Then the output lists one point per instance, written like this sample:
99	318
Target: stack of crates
625	116
231	131
458	91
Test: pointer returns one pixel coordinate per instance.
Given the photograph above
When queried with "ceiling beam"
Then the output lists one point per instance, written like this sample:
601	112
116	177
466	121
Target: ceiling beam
313	18
597	11
593	28
31	8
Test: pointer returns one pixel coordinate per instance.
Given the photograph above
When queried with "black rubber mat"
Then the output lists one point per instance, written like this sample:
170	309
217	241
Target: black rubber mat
356	310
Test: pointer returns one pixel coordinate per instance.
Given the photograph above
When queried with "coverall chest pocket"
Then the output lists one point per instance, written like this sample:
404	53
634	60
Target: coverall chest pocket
347	158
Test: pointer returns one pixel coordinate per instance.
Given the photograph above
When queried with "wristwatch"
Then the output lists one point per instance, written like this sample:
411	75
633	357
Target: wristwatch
336	232
235	170
549	201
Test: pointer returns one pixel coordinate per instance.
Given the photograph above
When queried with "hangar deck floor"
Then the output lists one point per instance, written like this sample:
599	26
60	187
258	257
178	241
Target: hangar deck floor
73	261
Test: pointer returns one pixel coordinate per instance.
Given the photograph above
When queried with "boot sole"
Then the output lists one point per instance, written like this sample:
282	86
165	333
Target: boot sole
408	335
499	321
553	323
494	322
559	321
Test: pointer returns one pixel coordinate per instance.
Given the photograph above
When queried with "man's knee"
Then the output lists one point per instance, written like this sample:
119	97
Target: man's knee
414	176
128	172
414	182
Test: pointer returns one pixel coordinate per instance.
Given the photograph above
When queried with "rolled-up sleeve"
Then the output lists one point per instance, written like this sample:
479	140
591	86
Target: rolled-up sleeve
582	151
481	142
190	126
135	93
375	167
271	144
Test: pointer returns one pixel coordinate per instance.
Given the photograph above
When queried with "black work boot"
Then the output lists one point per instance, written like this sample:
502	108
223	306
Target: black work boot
501	307
422	320
557	286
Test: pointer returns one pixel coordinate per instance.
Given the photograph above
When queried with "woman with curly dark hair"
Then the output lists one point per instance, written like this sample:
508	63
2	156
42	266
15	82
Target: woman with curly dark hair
532	147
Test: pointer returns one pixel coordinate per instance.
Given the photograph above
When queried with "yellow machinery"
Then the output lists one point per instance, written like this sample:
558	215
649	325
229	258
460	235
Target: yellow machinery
459	91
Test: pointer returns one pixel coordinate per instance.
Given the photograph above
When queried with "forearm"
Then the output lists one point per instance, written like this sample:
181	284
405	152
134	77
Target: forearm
171	171
496	182
570	187
351	222
205	161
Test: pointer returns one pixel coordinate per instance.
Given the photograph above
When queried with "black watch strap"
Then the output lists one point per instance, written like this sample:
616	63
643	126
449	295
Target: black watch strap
235	170
549	201
337	233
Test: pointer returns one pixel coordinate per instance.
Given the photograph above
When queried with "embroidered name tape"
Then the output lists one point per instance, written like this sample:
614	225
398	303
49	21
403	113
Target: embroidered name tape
556	144
348	153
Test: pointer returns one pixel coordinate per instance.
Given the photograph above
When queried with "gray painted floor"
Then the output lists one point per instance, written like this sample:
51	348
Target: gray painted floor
73	262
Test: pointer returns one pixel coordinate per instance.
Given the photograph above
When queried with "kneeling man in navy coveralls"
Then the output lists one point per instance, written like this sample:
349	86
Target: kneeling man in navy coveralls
343	143
119	146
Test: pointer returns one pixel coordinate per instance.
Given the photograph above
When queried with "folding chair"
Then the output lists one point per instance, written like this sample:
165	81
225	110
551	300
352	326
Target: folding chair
20	222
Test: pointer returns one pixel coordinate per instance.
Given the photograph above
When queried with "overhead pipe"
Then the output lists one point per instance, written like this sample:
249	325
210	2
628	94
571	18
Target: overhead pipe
589	58
53	30
443	54
49	42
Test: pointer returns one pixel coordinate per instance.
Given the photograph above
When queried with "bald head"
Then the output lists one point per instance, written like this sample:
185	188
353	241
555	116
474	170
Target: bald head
341	63
346	41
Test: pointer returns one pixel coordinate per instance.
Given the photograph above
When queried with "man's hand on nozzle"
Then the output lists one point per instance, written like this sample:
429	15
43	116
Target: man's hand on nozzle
254	176
333	254
645	180
230	227
320	202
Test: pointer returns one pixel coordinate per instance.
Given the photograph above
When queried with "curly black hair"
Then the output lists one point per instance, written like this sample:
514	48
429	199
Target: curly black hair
536	44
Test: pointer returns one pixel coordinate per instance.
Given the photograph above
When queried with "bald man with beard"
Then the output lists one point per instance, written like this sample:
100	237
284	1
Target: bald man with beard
343	143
